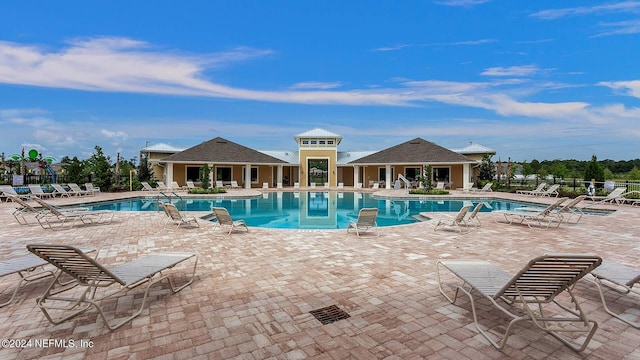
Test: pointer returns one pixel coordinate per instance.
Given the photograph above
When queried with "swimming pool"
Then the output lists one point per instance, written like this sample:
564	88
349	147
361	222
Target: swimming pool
314	210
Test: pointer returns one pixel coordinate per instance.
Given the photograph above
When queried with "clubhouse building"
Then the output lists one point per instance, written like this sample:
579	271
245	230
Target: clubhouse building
316	161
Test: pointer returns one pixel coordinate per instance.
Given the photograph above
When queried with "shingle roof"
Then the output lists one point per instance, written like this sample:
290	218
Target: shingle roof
221	150
416	151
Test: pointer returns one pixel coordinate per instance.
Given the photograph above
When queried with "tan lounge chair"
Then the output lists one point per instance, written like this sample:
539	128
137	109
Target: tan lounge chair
95	279
455	222
551	191
224	219
367	219
571	209
535	287
29	268
23	209
473	216
529	215
613	197
174	216
55	217
619	278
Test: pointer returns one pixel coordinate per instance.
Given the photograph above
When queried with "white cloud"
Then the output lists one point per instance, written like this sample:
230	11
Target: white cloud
113	134
625	6
316	85
524	70
630	88
461	2
391	48
621	28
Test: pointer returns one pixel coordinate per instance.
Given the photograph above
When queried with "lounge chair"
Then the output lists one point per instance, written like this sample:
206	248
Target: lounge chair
366	220
8	190
485	188
265	185
224	219
190	185
313	185
537	285
161	186
95	280
375	186
176	186
29	268
613	197
36	190
234	184
474	216
551	191
623	199
535	191
455	222
61	216
440	185
466	187
146	186
340	185
296	185
219	184
619	278
571	209
174	216
76	190
528	215
59	190
359	185
23	209
92	189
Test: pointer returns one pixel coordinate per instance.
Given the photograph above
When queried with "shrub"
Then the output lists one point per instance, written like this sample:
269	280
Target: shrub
207	191
428	192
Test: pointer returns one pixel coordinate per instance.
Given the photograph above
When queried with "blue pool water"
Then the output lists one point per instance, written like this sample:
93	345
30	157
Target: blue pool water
314	210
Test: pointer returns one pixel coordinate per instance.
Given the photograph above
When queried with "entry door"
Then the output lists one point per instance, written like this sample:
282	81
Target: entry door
318	171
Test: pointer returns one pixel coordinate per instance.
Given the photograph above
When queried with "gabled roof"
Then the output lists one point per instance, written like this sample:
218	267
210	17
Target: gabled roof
162	148
475	149
221	150
416	151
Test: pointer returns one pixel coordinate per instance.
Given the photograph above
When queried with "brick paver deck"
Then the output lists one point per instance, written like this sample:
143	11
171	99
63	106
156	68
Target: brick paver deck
253	291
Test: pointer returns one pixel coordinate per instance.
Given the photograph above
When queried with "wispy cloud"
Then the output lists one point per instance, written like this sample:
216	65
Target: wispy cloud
630	88
625	6
316	85
454	43
620	28
461	2
391	48
523	70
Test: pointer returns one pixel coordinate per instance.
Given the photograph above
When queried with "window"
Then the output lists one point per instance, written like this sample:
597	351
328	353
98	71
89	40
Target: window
193	173
305	142
441	174
254	174
330	142
313	142
223	173
412	173
322	142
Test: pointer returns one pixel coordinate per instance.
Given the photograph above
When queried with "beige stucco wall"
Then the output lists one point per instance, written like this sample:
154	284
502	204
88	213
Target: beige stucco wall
331	154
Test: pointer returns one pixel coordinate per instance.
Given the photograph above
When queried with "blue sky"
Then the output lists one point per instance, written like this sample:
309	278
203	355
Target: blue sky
531	79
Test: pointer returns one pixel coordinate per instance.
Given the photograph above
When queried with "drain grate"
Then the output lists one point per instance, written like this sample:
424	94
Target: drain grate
329	314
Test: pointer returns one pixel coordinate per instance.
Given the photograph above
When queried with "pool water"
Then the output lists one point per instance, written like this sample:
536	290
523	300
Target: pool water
314	210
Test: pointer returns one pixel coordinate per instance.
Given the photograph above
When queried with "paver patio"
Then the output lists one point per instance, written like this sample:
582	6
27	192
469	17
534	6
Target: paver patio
253	291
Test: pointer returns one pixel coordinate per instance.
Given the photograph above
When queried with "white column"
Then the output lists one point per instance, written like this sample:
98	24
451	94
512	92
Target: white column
279	176
388	183
169	174
356	175
466	175
247	176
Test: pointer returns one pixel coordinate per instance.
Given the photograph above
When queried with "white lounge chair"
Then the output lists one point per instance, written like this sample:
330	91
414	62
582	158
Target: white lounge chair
612	197
619	278
296	185
485	188
535	287
219	184
174	216
190	185
59	190
440	185
224	219
551	191
367	219
36	190
234	184
265	185
76	190
95	279
160	186
458	220
146	186
340	185
8	190
23	209
571	209
535	191
91	189
375	186
528	215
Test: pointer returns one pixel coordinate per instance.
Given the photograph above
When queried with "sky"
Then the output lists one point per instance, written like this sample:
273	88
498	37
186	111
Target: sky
531	79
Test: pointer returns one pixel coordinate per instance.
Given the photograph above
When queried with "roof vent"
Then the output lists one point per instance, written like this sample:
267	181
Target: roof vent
415	142
221	142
